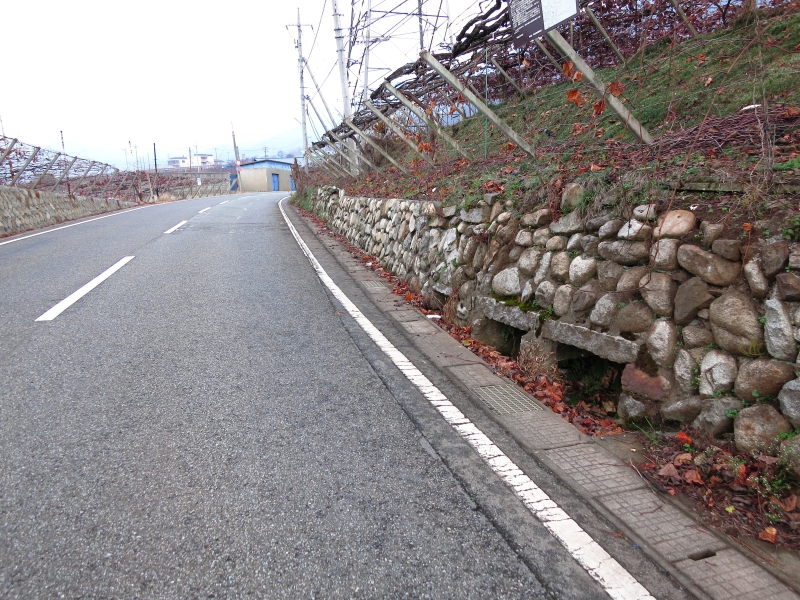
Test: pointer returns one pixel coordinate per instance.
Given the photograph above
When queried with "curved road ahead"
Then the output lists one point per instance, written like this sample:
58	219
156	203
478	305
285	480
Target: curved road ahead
207	421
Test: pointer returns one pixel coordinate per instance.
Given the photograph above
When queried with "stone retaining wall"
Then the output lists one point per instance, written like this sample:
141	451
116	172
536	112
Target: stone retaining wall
22	209
707	335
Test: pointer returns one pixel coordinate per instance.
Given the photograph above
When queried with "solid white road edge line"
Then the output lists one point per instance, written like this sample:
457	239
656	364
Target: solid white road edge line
77	295
171	229
603	568
204	210
114	214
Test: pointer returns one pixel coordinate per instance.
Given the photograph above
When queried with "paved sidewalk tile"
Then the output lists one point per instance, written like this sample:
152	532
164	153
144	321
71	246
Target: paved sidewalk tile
474	376
443	352
543	430
673	534
597	471
420	327
731	576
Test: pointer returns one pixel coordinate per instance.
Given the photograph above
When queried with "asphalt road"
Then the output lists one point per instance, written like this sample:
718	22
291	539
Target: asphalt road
208	422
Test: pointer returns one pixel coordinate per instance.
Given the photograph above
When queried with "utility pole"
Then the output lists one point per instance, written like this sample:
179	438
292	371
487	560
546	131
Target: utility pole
300	64
155	163
337	29
319	93
238	163
365	94
421	28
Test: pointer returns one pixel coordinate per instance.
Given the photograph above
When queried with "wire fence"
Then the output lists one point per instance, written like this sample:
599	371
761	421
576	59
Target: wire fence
26	166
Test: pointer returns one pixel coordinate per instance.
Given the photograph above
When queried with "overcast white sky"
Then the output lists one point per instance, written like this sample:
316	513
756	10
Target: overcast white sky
177	73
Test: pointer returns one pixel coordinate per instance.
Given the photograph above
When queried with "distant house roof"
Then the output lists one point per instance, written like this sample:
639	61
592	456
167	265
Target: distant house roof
269	163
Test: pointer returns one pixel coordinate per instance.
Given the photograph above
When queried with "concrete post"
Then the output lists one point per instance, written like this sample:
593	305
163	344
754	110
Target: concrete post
46	170
343	155
604	33
549	56
477	102
684	18
80	181
108	183
568	52
25	165
330	164
64	173
119	187
393	126
8	151
428	120
367	139
508	77
356	152
94	181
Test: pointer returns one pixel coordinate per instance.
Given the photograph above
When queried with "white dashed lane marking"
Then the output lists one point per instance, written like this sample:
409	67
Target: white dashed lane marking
171	229
80	293
618	583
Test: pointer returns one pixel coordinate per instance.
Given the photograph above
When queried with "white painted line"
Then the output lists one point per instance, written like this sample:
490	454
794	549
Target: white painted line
77	295
114	214
171	229
615	580
204	210
223	202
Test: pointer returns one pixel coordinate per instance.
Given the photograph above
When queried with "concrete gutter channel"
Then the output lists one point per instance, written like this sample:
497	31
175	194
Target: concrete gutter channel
702	561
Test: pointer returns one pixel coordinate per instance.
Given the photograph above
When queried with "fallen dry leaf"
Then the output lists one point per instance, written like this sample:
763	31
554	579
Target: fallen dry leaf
692	476
615	88
595	168
599	107
669	472
575	97
682	459
684	438
709	81
768	535
569	69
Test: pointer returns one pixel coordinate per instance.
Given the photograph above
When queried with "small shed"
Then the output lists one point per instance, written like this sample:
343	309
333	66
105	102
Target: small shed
267	175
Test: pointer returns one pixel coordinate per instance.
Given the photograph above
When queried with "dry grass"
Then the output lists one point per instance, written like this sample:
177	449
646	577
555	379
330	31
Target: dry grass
534	362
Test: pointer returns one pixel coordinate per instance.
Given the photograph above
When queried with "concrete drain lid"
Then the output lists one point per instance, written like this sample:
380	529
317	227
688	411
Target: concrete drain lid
374	286
505	399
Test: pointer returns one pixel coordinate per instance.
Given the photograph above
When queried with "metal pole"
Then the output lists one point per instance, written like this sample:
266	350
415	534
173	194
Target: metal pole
368	139
25	165
64	172
630	122
604	33
429	121
356	152
507	76
108	183
455	83
684	18
399	132
46	170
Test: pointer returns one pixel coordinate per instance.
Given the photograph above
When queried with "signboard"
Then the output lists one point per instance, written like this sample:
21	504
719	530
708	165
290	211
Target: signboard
532	18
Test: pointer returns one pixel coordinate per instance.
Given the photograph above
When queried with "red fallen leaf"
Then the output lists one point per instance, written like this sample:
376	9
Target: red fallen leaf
582	170
747	226
692	476
792	111
577	76
409	297
569	69
768	535
683	438
682	459
526	62
672	492
701	59
615	88
575	97
599	107
790	503
741	475
714	480
452	110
